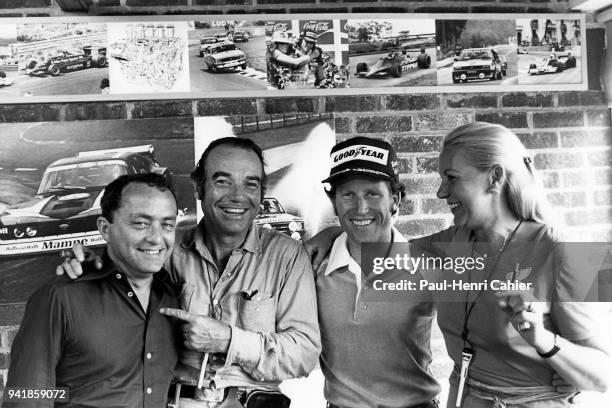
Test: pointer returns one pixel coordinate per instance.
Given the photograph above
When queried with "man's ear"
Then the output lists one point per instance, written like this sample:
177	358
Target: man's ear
103	226
497	179
198	193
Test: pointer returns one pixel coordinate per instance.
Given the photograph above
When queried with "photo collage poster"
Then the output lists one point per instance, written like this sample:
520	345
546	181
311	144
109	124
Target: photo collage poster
206	55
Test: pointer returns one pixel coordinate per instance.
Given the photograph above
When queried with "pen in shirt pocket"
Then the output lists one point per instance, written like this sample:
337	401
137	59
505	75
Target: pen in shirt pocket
249	296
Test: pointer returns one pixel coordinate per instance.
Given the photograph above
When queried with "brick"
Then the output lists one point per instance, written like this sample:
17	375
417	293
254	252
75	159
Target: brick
412	102
38	15
427	164
539	140
532	100
567	199
598	118
5	4
602	177
582	98
558	160
215	107
421	227
550	179
407	207
30	113
600	158
602	197
589	217
441	120
109	3
136	3
161	109
405	165
478	101
507	119
540	9
352	103
586	138
342	125
575	179
291	105
434	206
94	110
11	333
558	119
383	124
412	144
4	361
421	184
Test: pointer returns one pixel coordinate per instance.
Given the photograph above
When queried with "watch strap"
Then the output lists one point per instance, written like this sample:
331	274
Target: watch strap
551	352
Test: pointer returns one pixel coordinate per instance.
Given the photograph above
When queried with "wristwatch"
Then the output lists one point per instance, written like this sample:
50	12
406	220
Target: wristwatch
552	351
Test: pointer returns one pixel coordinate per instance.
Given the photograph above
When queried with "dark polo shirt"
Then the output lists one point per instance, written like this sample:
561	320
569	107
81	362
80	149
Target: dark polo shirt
93	336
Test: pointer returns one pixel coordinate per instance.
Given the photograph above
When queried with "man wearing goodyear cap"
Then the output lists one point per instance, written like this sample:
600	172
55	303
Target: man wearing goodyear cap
375	354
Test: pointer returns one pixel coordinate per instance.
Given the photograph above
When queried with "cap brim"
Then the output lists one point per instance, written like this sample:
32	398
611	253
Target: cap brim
357	172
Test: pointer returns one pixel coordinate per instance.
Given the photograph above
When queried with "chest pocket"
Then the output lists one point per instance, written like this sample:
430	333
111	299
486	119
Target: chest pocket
257	315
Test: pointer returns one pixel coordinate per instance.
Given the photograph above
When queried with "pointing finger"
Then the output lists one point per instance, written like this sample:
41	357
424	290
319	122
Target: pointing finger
179	314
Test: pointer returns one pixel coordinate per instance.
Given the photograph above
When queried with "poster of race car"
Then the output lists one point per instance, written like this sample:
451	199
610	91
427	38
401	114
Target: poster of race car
296	152
53	175
59	59
226	55
307	54
148	57
392	52
479	52
549	51
8	60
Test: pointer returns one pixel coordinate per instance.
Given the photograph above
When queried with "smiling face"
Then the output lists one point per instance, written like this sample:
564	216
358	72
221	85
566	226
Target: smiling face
466	190
364	209
231	193
141	236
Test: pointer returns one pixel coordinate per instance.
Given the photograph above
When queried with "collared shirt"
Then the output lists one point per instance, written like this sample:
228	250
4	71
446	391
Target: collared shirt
375	353
92	336
265	293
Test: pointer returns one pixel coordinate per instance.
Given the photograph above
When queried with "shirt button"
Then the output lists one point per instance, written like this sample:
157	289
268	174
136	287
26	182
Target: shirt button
215	302
149	355
130	294
364	306
118	276
149	390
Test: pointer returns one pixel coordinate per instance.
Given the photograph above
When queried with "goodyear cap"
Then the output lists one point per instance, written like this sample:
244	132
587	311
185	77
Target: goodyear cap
363	156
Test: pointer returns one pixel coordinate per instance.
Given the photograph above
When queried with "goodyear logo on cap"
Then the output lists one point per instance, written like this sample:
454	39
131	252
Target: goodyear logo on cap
360	152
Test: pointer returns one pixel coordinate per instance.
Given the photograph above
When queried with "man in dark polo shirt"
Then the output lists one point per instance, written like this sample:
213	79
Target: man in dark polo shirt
375	352
102	336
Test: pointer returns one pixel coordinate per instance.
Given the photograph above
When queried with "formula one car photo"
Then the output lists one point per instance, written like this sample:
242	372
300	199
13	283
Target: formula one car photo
66	61
479	64
67	204
553	64
394	64
273	215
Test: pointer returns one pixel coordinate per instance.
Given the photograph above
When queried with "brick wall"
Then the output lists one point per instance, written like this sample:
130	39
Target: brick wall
568	134
19	8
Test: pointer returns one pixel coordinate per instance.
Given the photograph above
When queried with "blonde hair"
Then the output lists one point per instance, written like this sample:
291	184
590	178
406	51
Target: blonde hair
486	145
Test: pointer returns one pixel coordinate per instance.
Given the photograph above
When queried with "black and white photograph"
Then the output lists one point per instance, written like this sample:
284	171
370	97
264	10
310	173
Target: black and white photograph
294	148
307	54
549	51
148	57
392	52
8	60
476	52
53	175
227	55
60	59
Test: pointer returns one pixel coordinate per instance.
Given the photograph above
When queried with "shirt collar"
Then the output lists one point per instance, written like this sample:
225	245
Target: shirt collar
340	257
252	242
109	267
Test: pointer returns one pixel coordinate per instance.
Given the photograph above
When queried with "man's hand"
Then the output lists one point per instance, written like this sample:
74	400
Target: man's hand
73	260
319	245
202	333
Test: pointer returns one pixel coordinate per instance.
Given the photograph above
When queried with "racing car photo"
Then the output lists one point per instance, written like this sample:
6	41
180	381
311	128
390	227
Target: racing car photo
67	203
240	36
553	64
273	215
204	42
478	64
223	56
67	61
394	64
